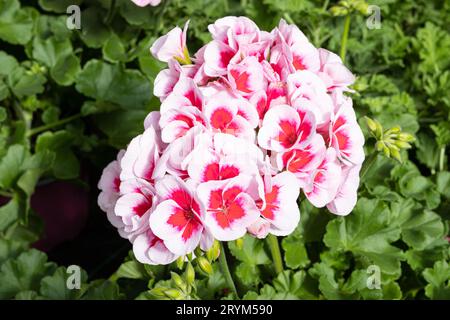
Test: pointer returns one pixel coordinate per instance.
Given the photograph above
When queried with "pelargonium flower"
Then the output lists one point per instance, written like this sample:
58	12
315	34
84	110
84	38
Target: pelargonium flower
246	124
143	3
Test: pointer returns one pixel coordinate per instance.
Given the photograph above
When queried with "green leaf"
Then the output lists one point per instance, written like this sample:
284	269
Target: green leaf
9	213
121	126
58	6
4	92
94	32
11	165
66	164
286	286
368	233
25	82
23	273
131	270
15	24
66	69
10	249
8	63
438	279
50	49
443	183
419	227
113	83
250	255
114	50
295	254
102	290
54	287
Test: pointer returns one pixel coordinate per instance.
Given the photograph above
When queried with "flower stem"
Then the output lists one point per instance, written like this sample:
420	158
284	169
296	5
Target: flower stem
226	271
441	159
49	126
370	160
345	37
276	254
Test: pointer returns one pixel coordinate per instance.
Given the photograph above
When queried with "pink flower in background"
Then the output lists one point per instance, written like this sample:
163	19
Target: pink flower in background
246	123
143	3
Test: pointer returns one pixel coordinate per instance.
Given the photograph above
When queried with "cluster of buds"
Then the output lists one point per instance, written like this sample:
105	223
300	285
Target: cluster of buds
345	7
390	141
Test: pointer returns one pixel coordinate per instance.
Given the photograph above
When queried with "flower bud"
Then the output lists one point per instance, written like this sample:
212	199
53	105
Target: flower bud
180	262
204	264
371	124
179	282
395	153
173	294
402	144
158	292
407	137
239	243
213	253
190	274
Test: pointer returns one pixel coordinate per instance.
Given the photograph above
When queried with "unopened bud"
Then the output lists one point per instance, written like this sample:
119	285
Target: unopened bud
179	282
204	264
239	243
407	137
396	153
371	124
213	253
173	293
180	262
402	144
190	274
158	292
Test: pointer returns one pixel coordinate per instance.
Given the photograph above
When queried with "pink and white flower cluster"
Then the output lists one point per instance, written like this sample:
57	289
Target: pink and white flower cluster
245	124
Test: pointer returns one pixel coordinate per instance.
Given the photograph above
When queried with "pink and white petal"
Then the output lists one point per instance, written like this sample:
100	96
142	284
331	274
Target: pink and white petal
164	83
217	57
248	111
247	76
279	131
346	136
169	46
187	88
347	195
204	165
281	203
181	234
242	212
241	128
219	112
148	155
206	240
302	162
129	159
260	228
149	249
326	181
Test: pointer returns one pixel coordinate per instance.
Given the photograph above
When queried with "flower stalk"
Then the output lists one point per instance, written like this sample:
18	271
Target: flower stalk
276	253
226	271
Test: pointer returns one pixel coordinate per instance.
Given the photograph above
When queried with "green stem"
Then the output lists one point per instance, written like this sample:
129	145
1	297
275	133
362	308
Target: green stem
441	159
276	254
345	37
226	271
288	18
52	125
368	163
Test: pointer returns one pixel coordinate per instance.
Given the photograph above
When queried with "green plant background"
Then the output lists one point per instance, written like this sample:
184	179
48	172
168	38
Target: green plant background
70	98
